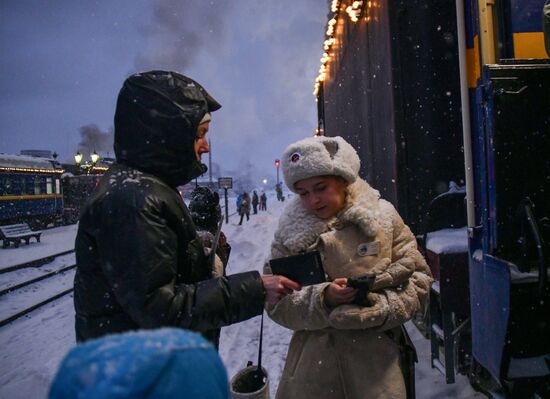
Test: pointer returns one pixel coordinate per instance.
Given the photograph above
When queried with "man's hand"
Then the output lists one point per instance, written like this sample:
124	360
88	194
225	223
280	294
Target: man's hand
277	287
337	293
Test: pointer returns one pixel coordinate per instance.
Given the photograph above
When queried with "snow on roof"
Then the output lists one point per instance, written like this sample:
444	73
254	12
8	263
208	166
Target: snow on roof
25	162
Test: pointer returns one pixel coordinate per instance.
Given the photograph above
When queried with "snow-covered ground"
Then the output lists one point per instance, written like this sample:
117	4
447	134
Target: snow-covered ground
33	346
52	241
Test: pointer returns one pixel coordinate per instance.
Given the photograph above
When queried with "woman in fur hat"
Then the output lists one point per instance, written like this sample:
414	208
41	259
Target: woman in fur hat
341	349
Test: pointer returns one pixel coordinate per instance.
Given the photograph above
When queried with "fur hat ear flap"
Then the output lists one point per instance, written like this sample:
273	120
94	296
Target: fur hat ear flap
332	147
319	156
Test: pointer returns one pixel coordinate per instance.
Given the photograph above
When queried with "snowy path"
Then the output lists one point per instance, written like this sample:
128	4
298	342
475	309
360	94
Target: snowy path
32	348
24	298
239	343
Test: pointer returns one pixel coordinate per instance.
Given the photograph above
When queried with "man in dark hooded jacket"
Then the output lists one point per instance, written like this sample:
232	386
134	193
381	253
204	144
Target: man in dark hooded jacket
140	263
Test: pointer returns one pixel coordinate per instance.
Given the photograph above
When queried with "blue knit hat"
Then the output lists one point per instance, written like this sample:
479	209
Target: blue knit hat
164	363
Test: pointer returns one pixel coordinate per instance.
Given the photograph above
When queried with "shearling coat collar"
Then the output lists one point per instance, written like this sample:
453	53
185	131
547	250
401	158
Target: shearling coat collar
298	229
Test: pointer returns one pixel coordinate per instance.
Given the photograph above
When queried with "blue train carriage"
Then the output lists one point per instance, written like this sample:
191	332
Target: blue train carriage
505	74
400	80
30	191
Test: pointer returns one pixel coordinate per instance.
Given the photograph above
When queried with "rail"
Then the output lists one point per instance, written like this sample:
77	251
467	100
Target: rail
35	280
35	262
33	307
23	304
38	263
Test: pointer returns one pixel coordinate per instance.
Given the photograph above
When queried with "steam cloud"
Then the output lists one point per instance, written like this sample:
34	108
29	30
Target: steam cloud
93	139
178	30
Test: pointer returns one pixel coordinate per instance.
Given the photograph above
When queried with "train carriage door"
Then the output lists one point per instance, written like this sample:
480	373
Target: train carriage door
518	163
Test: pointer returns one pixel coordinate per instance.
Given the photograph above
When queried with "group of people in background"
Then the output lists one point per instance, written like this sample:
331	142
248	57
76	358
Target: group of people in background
244	202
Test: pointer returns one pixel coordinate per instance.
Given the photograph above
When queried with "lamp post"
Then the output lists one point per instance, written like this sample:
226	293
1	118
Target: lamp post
277	164
94	156
78	159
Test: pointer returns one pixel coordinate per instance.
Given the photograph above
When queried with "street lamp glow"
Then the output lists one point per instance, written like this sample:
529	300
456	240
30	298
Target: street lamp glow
264	181
78	158
95	157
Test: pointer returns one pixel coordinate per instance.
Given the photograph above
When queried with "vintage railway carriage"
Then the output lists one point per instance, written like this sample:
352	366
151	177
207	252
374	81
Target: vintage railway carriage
30	191
431	92
509	214
392	89
76	191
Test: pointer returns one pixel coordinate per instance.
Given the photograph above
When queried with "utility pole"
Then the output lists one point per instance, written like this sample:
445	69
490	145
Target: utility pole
277	164
210	162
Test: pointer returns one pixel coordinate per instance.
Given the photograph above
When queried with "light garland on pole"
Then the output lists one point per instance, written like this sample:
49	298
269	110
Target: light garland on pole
354	10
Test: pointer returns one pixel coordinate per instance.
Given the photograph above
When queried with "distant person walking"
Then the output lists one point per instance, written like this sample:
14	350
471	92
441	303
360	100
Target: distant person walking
255	201
263	202
244	208
279	190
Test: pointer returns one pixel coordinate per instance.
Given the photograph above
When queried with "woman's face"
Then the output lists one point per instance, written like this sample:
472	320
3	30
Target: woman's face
324	196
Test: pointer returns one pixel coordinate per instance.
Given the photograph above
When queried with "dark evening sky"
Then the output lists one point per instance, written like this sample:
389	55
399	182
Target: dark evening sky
63	63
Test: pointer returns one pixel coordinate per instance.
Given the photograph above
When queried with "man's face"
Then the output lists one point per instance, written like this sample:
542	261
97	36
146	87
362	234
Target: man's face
201	143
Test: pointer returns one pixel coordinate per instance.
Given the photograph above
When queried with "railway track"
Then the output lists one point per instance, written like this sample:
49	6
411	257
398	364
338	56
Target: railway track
17	288
35	262
23	291
12	288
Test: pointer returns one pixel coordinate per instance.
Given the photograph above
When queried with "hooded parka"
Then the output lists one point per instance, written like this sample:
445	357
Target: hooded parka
140	262
347	352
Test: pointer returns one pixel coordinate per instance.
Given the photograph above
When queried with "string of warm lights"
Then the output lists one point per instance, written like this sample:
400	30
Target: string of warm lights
9	169
353	10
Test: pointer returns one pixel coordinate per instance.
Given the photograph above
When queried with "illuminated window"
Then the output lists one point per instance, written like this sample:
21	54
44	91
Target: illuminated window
37	190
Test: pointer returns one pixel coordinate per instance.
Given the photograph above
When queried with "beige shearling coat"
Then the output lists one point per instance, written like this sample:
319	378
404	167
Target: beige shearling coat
343	353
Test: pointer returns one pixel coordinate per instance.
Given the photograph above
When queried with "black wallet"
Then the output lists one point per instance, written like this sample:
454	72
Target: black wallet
305	269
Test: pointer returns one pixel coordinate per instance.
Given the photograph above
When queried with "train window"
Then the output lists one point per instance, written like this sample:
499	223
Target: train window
57	186
49	185
15	184
37	185
23	185
6	186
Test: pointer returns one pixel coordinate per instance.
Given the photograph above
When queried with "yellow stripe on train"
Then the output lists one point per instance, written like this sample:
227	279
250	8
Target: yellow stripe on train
473	64
529	45
25	197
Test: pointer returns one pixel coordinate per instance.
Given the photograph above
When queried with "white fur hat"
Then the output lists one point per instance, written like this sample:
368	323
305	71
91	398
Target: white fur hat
319	156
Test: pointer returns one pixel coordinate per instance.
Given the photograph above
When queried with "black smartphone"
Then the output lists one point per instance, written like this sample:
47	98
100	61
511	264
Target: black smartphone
305	269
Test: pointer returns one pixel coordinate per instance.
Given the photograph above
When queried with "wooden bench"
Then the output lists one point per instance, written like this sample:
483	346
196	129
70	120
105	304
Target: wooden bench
17	232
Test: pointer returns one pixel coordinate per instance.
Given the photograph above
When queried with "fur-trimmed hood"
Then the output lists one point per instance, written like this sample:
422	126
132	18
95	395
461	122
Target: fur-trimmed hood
298	229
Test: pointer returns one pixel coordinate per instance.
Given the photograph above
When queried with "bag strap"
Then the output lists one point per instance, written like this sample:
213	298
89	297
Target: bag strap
212	259
260	348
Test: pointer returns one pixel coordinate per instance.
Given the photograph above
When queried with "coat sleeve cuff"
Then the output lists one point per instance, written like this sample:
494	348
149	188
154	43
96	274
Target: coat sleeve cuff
247	295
